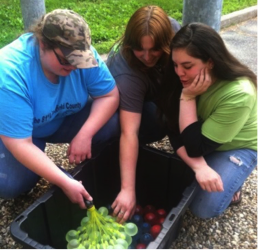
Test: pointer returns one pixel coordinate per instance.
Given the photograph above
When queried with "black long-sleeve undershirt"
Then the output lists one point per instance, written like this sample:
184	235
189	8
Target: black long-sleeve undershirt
196	144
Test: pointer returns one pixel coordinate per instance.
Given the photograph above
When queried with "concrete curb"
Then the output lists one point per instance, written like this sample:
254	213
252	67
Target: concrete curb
238	16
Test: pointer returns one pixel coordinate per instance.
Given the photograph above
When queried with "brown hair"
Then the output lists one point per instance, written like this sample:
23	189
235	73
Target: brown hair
36	29
202	42
151	21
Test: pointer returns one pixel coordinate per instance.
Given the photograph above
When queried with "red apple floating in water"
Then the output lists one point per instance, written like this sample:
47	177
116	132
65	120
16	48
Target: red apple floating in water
151	218
149	209
160	220
155	230
161	213
138	210
140	246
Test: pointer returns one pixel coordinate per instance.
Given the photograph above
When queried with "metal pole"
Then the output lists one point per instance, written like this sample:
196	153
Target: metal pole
32	10
204	11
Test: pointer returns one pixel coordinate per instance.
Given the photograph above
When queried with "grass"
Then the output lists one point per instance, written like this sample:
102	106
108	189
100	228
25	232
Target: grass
106	18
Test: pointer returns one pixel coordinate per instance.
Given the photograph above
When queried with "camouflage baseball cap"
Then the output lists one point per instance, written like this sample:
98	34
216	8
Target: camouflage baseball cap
72	35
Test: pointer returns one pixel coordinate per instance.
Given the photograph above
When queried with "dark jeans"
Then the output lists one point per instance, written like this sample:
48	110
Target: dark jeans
16	178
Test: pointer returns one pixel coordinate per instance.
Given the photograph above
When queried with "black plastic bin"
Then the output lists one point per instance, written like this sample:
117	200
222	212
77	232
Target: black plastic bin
162	180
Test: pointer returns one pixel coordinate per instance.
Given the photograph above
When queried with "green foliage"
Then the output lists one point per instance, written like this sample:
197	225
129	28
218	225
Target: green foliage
10	21
104	47
107	18
234	5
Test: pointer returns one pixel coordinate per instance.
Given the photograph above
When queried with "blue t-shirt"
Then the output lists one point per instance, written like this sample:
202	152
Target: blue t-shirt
30	105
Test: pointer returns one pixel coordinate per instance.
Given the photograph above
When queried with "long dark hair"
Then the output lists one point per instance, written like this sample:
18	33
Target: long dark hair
204	43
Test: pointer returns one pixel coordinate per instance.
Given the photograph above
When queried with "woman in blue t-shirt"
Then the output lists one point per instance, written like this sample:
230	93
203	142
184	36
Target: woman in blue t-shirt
47	76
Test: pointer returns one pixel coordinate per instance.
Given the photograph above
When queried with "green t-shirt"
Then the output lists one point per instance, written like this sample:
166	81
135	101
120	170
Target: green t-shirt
228	111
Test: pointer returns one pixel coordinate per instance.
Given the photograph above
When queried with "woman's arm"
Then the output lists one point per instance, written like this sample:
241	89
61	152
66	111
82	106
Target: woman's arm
34	159
207	178
187	111
129	146
102	109
196	144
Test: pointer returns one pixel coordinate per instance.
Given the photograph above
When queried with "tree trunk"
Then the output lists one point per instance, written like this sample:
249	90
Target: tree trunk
31	11
203	11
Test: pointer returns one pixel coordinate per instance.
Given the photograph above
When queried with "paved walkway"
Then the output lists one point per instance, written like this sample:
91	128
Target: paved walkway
241	40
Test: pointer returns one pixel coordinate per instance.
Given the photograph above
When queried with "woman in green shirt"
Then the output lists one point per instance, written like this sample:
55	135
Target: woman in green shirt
217	113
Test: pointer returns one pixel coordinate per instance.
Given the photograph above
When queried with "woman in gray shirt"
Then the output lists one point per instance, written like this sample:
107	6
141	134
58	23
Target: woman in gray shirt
137	63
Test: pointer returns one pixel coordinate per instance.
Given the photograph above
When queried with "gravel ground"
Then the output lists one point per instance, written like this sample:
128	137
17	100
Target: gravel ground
235	229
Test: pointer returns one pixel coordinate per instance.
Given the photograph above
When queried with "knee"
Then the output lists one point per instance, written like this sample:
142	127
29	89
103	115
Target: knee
16	188
207	211
9	192
204	214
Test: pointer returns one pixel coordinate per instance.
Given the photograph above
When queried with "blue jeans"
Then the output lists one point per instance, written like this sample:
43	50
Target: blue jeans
234	167
16	179
151	128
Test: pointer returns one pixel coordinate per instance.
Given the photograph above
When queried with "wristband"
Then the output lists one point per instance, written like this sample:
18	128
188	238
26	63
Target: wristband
189	99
